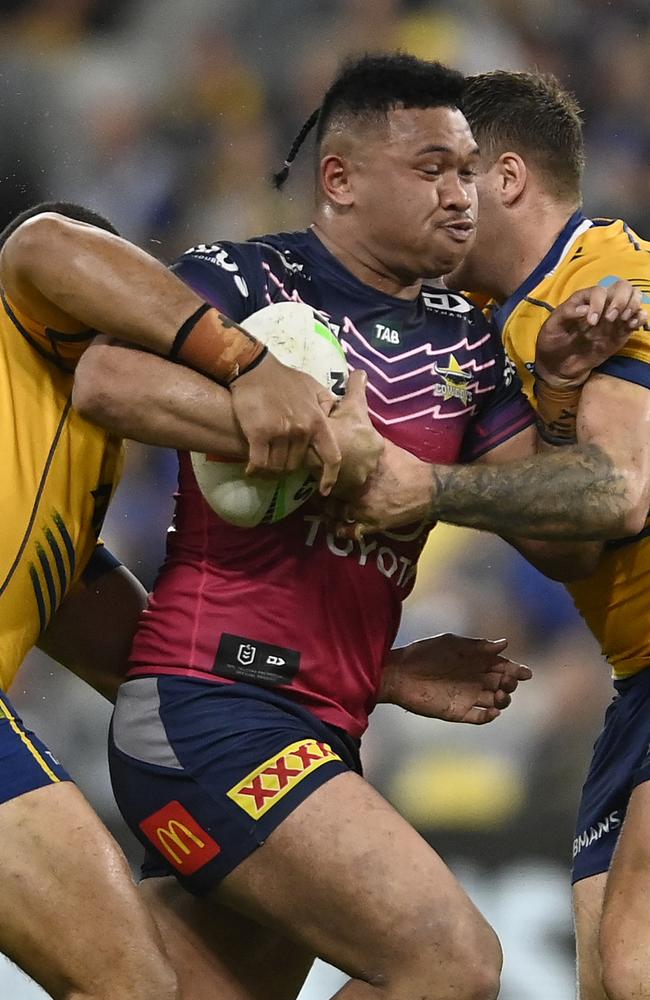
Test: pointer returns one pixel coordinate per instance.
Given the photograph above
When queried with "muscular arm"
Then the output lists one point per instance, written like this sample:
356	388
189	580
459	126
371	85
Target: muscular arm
143	397
70	276
597	489
560	560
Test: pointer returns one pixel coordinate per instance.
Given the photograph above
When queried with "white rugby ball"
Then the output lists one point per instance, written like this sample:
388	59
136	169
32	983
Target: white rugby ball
301	339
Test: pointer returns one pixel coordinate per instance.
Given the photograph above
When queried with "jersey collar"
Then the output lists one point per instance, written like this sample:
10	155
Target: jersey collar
326	260
548	263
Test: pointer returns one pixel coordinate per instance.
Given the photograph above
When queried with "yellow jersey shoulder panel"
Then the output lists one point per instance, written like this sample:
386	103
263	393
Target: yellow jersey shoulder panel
590	253
58	472
61	349
615	599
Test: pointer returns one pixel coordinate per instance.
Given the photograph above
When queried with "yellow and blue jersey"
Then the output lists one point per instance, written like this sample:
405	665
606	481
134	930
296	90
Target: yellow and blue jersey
59	473
615	599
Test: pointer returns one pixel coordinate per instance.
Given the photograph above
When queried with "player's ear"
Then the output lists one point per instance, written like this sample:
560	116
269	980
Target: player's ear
512	175
335	180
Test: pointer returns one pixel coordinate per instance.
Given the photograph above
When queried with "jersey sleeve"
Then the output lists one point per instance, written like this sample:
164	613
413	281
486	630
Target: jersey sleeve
632	362
61	349
504	411
101	562
227	275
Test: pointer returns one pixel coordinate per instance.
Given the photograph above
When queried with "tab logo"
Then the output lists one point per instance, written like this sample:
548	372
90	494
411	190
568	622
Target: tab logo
179	838
385	333
454	383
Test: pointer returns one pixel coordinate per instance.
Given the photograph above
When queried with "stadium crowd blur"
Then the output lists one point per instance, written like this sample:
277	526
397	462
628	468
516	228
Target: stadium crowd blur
168	116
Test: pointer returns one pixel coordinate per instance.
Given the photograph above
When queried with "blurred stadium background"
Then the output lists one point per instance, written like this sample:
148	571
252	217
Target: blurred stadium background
167	116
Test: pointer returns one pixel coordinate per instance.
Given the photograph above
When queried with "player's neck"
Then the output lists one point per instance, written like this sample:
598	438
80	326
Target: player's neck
362	263
527	243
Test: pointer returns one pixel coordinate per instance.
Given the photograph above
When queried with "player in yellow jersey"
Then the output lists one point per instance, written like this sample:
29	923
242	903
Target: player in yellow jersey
534	248
531	135
68	903
69	913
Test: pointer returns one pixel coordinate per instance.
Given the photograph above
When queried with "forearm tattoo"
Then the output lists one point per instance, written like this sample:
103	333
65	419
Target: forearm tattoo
576	492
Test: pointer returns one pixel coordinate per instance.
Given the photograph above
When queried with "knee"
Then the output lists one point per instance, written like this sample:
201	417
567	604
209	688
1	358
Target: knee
460	957
624	976
478	963
159	983
624	961
161	987
147	982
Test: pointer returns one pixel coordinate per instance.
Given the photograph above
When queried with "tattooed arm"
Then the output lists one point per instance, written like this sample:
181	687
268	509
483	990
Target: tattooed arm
597	489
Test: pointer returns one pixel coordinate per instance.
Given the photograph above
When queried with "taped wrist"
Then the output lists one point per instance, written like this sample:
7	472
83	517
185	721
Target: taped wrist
557	412
216	346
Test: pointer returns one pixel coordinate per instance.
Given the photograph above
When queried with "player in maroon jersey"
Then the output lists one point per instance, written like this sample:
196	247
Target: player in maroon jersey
235	741
234	750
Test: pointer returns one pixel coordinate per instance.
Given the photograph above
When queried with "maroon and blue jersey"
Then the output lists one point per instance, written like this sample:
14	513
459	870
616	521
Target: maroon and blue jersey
289	606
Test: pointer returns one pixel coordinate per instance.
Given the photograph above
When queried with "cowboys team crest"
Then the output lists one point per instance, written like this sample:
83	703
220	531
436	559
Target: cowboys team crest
454	383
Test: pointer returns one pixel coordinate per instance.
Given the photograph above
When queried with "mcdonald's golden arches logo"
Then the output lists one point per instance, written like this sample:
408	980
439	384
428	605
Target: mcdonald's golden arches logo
179	838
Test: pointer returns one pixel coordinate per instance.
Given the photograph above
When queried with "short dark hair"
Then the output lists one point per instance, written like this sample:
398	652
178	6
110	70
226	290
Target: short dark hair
531	113
367	88
67	208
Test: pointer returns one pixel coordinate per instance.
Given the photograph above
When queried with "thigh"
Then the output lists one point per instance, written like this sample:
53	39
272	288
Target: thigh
68	904
350	880
610	850
251	804
219	953
588	897
625	929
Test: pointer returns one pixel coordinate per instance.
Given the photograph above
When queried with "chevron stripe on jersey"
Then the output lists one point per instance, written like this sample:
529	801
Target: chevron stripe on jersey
438	385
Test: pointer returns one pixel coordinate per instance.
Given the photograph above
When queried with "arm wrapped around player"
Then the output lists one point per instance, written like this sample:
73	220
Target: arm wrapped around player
580	334
216	346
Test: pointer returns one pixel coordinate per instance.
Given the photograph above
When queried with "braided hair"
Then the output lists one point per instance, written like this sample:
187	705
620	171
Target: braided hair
366	89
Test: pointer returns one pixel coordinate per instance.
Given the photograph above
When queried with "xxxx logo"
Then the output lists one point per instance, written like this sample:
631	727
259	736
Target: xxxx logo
271	781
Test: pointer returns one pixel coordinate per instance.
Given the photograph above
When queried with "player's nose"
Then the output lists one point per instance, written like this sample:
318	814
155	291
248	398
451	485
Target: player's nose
454	194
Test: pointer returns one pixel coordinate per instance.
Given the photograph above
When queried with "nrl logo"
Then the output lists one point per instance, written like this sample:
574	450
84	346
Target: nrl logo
454	382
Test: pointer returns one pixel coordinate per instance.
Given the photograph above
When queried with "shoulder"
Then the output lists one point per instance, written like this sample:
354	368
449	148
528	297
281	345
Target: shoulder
223	255
462	319
229	255
606	252
242	277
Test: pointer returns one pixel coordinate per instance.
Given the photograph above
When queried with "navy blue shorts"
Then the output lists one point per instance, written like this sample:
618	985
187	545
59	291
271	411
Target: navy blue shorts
621	761
25	762
203	772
